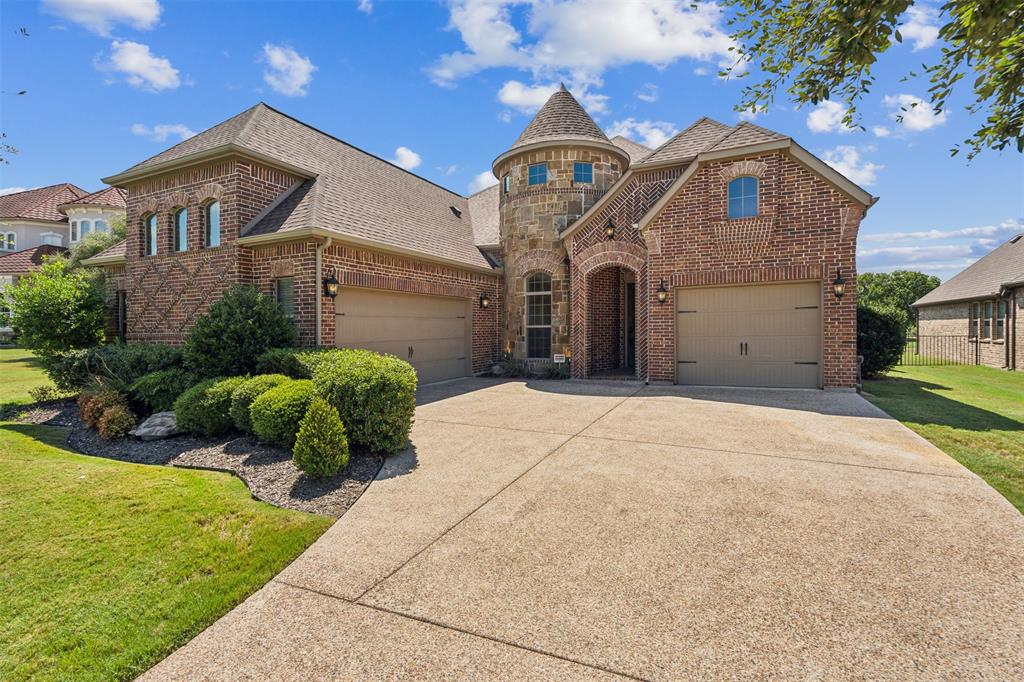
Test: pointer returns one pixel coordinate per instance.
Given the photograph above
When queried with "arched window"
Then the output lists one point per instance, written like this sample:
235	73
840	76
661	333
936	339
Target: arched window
743	197
74	230
149	235
213	223
181	230
538	316
86	227
100	226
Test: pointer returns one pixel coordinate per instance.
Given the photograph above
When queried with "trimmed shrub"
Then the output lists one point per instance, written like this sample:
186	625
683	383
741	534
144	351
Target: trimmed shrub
247	392
157	391
116	422
881	335
297	363
235	332
276	414
205	408
321	448
375	395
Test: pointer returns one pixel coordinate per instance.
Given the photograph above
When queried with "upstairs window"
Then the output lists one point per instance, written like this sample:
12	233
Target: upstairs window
74	230
538	174
100	226
181	230
8	241
213	224
538	316
149	236
506	184
583	172
85	227
743	197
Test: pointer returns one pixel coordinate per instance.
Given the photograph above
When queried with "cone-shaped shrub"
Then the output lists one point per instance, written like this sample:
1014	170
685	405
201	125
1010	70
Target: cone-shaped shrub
321	448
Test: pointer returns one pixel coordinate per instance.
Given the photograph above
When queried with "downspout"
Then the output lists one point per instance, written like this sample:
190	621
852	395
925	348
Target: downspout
319	294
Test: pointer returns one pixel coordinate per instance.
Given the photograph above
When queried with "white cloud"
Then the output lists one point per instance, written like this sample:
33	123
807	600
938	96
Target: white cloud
12	190
827	117
140	67
406	158
161	131
288	72
847	160
482	182
921	26
942	252
881	131
100	16
747	115
447	170
648	92
912	113
916	254
1006	228
365	6
525	98
648	133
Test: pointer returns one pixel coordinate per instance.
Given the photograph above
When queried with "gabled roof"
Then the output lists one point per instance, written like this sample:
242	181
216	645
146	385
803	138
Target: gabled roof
634	150
699	136
561	118
746	134
41	203
27	260
109	256
485	216
1003	266
114	197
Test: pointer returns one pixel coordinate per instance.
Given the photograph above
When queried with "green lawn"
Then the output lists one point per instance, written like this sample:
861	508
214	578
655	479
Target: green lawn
974	414
106	567
21	372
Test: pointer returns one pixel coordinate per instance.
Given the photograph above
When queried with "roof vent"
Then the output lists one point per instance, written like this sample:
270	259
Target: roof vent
457	212
1014	240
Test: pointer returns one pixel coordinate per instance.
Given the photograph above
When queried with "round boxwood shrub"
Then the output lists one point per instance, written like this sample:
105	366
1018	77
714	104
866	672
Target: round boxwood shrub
276	414
248	391
235	332
298	363
116	422
157	391
375	395
881	335
321	448
205	408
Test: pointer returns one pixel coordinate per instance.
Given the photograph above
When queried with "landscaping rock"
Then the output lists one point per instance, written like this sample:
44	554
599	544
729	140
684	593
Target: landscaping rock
160	425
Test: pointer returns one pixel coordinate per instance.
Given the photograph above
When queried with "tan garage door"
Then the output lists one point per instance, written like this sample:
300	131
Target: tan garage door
431	332
763	335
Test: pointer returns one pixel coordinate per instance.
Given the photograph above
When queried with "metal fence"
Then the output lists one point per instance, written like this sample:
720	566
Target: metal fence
927	351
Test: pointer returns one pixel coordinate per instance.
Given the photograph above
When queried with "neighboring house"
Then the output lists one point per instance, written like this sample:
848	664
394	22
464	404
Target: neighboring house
977	316
710	260
95	212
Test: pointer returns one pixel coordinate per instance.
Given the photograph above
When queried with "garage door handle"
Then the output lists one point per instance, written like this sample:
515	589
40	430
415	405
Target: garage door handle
805	363
410	351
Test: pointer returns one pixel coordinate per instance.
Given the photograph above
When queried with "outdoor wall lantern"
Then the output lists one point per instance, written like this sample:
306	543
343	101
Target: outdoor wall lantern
662	291
839	285
485	300
331	284
609	229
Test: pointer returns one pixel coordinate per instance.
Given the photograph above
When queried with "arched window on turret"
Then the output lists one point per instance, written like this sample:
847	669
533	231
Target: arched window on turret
538	316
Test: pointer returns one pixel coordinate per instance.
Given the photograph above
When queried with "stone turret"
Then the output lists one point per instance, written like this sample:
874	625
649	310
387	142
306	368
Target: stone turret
560	165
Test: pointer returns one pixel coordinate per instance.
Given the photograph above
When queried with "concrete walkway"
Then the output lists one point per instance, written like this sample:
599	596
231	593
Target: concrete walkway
562	530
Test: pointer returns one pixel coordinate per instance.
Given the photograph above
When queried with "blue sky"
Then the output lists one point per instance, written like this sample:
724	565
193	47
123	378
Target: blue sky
444	87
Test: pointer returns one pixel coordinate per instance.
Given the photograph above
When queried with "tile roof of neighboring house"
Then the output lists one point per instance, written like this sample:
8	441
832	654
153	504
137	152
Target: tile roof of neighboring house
41	203
561	118
1003	265
114	197
353	192
699	136
27	260
484	214
634	150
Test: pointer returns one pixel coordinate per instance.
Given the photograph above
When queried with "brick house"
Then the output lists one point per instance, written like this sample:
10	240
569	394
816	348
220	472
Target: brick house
977	316
708	260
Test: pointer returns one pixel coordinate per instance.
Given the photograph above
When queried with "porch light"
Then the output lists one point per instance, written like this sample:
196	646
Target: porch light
839	285
609	229
485	300
331	284
662	291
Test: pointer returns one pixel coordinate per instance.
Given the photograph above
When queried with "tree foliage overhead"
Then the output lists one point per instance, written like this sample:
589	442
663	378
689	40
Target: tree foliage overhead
821	50
95	242
896	290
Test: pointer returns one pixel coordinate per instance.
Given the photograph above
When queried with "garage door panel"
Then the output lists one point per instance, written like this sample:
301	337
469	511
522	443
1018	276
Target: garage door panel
388	328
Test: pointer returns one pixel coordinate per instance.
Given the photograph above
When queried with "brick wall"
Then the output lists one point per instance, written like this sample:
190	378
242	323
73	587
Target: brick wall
115	281
605	319
945	330
1017	328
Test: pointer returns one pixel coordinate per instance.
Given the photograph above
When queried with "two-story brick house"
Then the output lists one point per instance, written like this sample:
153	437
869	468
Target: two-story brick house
709	260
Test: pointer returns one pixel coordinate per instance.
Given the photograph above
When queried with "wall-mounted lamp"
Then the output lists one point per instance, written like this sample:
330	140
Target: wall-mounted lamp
839	285
485	300
331	284
662	291
609	229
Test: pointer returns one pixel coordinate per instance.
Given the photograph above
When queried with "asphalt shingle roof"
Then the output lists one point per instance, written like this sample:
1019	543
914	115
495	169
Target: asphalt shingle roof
699	136
116	250
108	196
27	260
634	150
561	118
40	204
984	278
485	216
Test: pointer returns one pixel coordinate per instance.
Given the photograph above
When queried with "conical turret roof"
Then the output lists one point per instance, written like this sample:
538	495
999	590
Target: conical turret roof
561	118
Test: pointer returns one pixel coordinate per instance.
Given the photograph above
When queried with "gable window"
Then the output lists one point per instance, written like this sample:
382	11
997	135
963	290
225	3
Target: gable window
986	320
583	172
74	230
743	197
181	230
1000	332
149	236
100	226
538	174
284	294
975	327
538	316
213	223
85	228
506	184
8	241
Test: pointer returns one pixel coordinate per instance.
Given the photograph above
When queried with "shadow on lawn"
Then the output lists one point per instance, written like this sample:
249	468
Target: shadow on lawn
915	401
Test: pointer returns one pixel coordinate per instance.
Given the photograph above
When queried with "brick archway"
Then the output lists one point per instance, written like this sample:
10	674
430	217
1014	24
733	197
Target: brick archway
538	259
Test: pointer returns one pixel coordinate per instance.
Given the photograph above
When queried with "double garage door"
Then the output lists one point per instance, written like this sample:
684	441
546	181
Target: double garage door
764	335
432	333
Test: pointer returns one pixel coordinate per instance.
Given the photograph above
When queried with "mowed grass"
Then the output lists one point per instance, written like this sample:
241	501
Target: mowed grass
107	567
20	372
974	414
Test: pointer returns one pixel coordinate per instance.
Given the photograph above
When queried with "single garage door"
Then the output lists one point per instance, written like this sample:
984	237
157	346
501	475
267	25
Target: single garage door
430	332
763	335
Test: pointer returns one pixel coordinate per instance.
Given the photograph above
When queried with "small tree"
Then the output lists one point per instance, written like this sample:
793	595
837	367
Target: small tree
241	326
899	289
881	335
57	309
321	447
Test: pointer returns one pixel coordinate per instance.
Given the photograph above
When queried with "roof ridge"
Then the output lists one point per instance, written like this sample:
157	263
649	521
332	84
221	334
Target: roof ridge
49	195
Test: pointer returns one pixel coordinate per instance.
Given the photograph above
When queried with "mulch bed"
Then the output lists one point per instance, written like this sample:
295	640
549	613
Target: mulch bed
267	470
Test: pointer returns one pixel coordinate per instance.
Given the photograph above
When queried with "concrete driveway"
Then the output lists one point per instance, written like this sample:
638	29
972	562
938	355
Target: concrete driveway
575	530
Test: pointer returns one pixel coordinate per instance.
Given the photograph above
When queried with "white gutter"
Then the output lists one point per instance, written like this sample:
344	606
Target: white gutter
319	296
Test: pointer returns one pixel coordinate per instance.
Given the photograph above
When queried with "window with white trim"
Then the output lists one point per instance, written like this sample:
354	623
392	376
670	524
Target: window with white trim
8	241
100	226
538	316
74	230
743	197
85	227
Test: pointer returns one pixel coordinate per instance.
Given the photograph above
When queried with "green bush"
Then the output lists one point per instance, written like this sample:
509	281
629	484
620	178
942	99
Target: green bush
157	391
276	414
881	335
375	395
298	363
247	392
205	408
321	448
116	422
235	332
118	364
94	403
